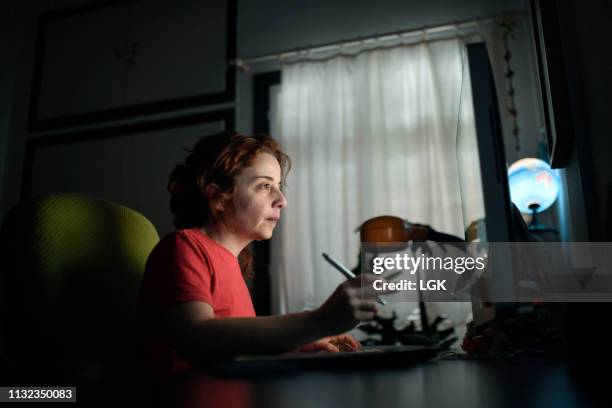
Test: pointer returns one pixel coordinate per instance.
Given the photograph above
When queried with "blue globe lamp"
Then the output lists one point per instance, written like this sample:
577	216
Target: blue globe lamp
533	187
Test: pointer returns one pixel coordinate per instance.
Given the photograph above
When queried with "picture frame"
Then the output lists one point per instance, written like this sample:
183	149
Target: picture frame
35	145
38	122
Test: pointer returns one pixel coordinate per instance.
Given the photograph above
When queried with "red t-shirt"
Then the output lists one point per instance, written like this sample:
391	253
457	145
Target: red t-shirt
188	265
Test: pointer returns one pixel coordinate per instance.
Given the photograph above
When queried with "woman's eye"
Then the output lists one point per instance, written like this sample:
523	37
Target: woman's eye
266	186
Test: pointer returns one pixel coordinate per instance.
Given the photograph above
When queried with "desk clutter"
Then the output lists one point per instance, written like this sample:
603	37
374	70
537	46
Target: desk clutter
529	332
382	332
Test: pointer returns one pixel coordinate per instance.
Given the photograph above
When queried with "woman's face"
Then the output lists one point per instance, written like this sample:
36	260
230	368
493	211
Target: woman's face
257	199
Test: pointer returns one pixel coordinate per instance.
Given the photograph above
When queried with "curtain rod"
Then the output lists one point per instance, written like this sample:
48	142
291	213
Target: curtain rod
381	38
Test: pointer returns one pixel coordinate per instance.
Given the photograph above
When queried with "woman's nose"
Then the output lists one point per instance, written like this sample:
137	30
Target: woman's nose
280	201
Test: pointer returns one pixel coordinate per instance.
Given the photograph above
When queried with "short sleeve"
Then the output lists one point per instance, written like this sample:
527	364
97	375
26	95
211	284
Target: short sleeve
191	276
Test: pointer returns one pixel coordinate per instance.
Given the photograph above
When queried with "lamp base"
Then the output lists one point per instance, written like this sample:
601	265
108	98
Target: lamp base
544	235
538	231
534	225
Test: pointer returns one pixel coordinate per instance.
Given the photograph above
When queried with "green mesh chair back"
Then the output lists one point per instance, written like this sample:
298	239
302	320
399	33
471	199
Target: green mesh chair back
72	270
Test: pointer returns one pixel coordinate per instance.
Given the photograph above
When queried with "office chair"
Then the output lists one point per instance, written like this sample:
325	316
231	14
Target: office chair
71	269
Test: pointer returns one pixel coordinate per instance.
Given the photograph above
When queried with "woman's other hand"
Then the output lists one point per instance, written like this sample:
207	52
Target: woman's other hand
332	344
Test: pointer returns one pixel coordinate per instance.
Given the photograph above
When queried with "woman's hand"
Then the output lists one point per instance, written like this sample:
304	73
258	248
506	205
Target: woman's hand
350	304
333	344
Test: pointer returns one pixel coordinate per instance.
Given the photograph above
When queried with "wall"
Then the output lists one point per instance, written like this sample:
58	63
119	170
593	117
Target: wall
23	25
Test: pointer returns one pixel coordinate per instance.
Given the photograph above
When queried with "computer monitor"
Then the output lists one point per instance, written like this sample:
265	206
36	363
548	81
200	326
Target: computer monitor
487	207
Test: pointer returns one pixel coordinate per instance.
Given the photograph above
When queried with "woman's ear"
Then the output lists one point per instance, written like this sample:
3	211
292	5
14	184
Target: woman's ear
212	191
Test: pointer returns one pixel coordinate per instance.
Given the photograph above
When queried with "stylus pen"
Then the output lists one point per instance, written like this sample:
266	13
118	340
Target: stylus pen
346	272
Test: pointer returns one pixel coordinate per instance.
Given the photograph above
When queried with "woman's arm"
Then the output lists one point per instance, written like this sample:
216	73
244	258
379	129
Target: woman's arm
198	334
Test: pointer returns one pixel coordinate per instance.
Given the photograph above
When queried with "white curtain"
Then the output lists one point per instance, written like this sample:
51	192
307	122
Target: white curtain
372	134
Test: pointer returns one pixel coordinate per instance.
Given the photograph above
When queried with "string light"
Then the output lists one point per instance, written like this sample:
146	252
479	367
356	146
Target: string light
508	26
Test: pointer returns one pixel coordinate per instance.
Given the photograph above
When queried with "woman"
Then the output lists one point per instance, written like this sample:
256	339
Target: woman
194	300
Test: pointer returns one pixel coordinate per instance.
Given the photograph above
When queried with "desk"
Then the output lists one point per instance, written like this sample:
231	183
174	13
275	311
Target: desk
457	383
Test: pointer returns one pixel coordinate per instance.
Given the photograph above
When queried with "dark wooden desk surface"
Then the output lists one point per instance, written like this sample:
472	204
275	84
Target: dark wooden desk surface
455	383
